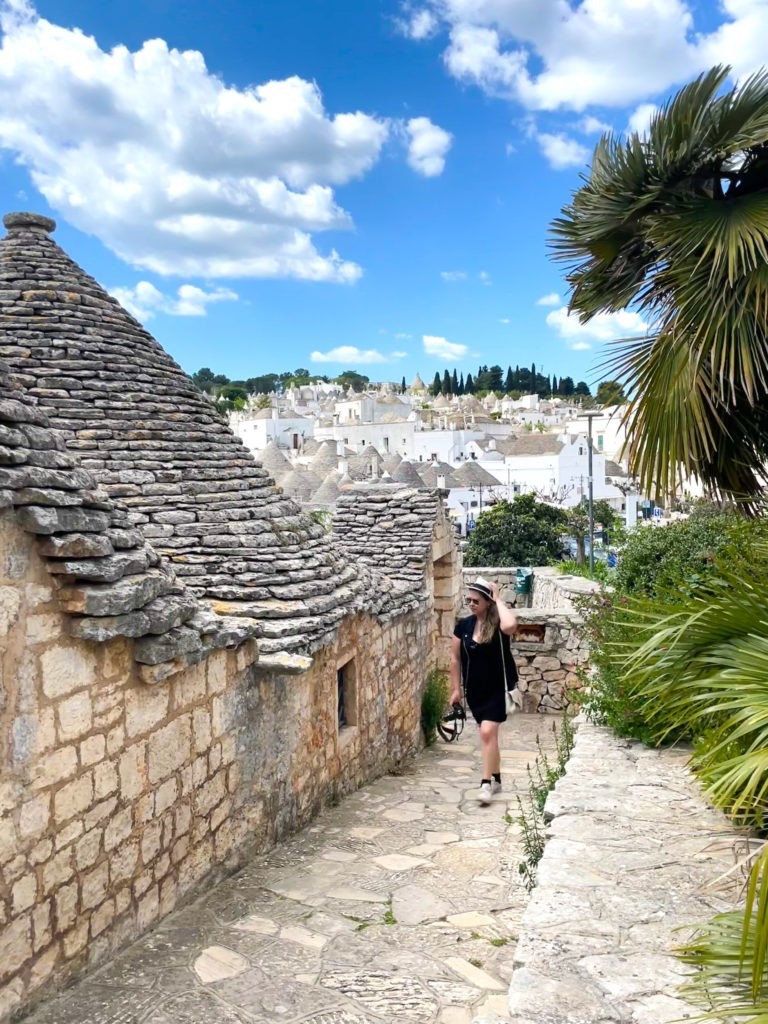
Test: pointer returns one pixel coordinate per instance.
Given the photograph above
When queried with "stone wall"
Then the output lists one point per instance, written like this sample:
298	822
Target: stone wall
548	651
549	646
117	798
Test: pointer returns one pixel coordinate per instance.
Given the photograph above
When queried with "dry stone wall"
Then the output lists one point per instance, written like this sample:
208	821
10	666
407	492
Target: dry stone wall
176	636
117	798
158	446
109	579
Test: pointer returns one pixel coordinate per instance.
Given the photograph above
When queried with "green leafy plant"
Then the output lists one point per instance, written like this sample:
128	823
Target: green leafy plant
434	700
523	531
541	780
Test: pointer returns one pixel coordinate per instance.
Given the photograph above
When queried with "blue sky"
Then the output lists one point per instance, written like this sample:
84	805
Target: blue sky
340	184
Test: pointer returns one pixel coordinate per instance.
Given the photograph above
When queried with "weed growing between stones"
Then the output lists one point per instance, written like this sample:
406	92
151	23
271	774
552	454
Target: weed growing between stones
434	701
541	780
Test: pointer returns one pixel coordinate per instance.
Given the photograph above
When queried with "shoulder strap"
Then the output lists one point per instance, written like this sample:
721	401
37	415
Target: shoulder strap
503	660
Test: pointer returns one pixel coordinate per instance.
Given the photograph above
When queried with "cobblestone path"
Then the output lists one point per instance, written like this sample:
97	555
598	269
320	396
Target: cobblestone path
400	905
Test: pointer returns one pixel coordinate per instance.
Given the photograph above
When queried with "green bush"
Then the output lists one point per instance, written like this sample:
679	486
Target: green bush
434	702
523	531
672	559
570	567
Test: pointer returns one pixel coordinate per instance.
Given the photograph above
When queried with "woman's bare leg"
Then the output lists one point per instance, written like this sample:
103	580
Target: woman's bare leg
489	738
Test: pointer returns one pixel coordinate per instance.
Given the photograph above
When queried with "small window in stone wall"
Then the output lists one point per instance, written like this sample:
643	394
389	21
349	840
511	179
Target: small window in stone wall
346	694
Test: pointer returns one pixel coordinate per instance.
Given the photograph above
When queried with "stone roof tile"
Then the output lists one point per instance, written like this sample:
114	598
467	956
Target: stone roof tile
151	439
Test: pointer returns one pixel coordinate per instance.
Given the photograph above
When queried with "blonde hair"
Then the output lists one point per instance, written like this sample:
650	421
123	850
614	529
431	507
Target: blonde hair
491	621
490	624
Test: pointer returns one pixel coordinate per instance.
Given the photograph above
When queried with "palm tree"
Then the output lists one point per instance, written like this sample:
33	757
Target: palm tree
675	224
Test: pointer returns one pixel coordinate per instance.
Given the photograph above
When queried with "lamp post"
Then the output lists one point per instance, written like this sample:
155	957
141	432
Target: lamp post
589	416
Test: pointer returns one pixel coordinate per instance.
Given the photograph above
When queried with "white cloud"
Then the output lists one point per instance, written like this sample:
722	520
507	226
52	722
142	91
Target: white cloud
504	320
420	24
172	169
593	125
352	355
640	119
402	336
551	299
555	54
485	277
580	346
562	152
443	349
453	275
601	328
145	300
427	146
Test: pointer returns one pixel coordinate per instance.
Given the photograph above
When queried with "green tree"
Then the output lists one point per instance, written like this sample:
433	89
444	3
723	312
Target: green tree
263	385
353	379
610	392
675	222
509	381
582	388
483	379
446	383
461	384
469	386
604	519
495	379
402	386
454	383
523	531
437	387
566	387
203	378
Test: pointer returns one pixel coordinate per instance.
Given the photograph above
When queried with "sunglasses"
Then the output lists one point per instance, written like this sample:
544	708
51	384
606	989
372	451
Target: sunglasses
473	600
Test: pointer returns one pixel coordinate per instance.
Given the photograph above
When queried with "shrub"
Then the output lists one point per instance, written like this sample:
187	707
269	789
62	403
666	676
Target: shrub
434	701
523	531
672	559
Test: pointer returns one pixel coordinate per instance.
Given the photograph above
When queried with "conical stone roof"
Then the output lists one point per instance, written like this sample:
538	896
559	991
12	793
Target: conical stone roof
391	462
432	470
328	491
162	451
469	474
406	473
325	458
273	459
300	483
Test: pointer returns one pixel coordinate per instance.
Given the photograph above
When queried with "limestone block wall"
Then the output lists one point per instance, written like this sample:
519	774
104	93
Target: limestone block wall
548	651
117	798
553	591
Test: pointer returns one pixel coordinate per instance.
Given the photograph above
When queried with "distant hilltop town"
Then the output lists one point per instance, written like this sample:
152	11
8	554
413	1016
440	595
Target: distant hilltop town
316	439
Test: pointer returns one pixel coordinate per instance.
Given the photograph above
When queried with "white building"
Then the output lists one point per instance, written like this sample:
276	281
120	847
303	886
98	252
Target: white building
257	429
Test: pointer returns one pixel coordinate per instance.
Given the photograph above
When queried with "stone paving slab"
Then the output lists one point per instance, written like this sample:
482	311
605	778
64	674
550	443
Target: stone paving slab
402	905
627	871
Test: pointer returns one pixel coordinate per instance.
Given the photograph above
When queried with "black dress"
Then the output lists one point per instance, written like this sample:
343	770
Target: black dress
482	671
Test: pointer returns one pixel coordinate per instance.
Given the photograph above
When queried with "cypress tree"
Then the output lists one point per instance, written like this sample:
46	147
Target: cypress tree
509	383
554	384
469	386
454	383
446	383
436	386
402	386
461	384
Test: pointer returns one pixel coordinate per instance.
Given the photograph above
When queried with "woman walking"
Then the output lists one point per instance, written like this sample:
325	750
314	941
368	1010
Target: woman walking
481	657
